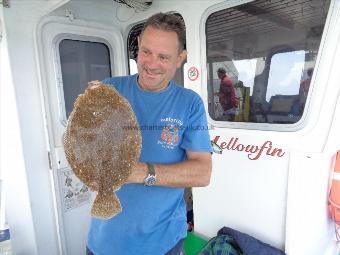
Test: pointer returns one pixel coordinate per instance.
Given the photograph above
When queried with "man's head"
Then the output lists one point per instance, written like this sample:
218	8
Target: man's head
167	22
310	72
221	72
160	51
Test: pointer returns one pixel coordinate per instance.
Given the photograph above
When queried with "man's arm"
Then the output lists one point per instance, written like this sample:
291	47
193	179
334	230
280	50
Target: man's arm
193	172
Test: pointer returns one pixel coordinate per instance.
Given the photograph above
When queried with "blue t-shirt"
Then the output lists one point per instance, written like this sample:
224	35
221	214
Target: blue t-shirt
153	219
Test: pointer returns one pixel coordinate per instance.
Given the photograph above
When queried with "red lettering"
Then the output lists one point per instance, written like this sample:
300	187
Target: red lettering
240	147
233	147
223	145
254	151
216	139
261	150
229	144
278	152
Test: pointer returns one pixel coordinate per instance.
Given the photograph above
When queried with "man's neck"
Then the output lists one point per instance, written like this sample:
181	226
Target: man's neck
152	90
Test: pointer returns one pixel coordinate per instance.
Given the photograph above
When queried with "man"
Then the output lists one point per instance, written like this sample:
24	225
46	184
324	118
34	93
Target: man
175	150
303	91
226	94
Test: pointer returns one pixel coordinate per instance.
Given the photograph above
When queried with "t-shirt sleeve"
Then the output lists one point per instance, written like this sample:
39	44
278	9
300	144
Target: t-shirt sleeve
110	81
118	82
196	134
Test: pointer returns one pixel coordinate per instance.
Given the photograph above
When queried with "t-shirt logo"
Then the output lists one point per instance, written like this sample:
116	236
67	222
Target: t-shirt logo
169	137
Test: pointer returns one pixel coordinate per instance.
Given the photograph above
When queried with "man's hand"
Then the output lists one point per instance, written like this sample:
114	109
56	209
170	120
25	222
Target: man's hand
94	84
138	173
193	172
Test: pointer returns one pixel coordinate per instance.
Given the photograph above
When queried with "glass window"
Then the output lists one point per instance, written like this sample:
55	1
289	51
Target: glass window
133	53
81	62
260	59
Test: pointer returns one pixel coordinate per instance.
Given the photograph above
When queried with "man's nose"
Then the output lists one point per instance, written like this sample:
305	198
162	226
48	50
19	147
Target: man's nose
152	60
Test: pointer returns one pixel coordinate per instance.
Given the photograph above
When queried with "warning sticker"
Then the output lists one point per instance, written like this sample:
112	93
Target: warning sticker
74	193
193	73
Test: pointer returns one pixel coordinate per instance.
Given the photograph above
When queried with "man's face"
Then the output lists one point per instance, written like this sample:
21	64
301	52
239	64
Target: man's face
158	58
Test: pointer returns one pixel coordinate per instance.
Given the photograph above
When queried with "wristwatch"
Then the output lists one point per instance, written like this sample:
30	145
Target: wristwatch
150	180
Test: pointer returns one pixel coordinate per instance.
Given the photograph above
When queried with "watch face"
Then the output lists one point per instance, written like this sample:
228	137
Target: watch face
150	180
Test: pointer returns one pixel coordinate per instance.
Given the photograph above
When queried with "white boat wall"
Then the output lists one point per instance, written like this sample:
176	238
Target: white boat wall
273	158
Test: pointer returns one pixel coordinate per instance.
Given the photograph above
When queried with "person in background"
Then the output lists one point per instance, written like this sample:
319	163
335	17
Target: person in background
304	88
176	150
226	94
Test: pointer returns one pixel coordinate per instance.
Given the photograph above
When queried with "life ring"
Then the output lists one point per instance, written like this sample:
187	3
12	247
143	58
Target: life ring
334	194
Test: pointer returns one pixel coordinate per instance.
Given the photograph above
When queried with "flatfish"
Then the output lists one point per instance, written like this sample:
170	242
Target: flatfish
102	143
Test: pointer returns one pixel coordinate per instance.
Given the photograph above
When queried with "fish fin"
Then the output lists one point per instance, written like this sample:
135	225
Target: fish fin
106	205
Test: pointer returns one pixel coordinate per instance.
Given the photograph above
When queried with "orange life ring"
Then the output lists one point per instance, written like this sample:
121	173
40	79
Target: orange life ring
334	194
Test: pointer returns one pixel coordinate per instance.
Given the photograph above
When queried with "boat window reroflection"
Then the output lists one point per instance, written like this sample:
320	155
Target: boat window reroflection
268	49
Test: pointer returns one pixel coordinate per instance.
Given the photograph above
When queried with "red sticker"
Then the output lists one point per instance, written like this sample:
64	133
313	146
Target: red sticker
193	73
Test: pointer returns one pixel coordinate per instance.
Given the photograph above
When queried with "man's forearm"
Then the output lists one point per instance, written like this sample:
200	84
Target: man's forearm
193	172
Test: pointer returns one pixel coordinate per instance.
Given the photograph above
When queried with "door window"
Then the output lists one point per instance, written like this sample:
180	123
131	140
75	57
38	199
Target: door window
81	62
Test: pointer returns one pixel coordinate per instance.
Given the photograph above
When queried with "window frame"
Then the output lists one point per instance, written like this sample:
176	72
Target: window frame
302	122
60	86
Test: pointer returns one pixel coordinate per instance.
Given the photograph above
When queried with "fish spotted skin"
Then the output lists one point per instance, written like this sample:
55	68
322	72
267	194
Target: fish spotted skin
98	145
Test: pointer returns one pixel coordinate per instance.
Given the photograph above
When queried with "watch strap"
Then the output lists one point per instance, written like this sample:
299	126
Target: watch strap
151	169
150	180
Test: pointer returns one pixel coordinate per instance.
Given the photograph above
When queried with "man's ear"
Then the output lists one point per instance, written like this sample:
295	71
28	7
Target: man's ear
181	57
138	40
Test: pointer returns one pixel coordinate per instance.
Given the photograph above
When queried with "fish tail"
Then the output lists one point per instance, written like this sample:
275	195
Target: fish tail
106	205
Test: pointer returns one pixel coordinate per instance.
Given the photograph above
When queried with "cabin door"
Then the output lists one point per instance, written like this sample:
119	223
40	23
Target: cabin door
73	56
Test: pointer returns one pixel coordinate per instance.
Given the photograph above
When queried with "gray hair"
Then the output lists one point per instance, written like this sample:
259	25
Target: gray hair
168	22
